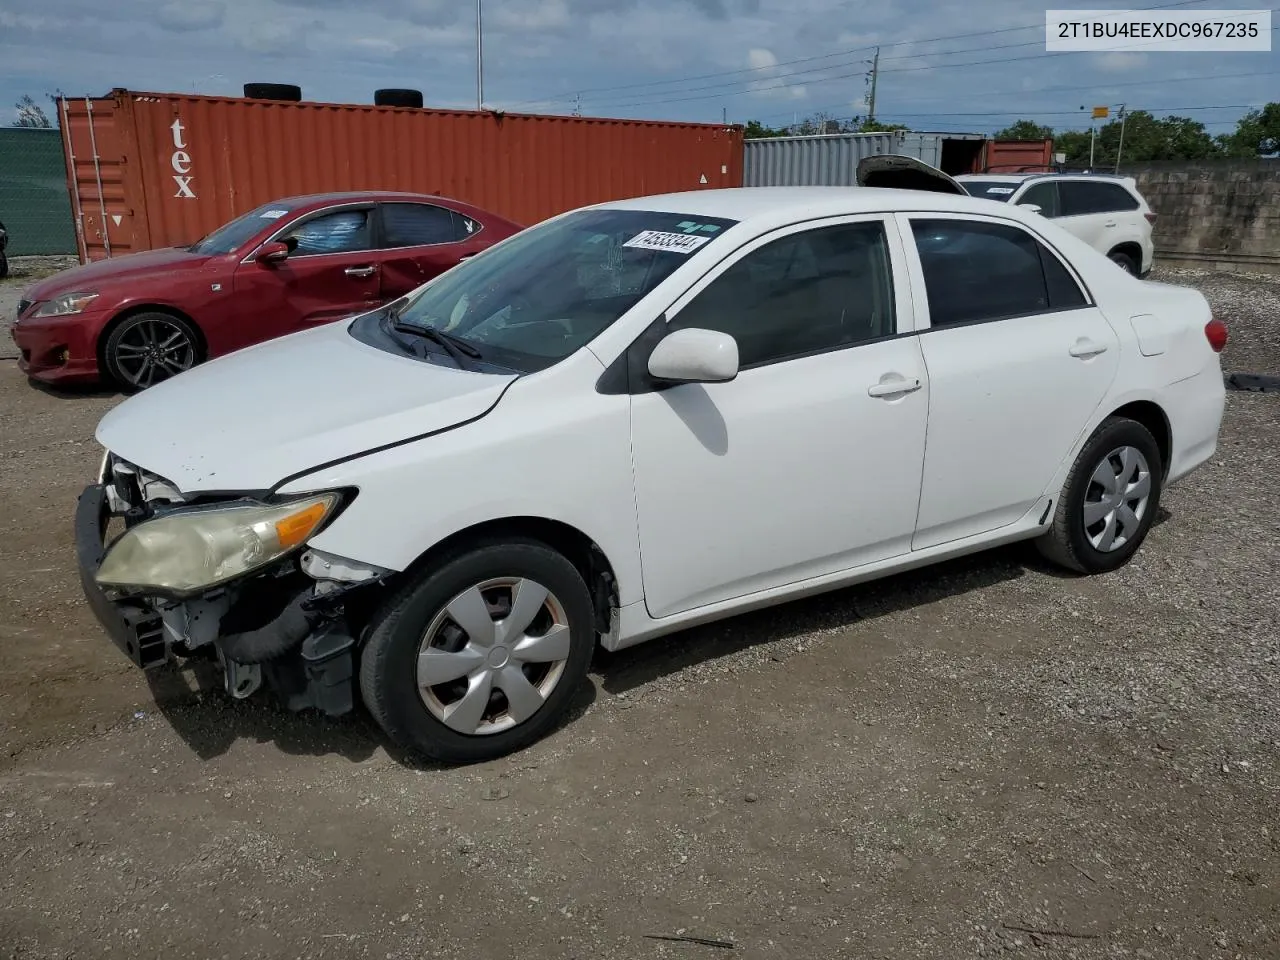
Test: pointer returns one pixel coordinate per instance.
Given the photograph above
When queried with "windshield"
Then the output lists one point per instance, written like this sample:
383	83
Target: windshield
551	289
231	236
990	189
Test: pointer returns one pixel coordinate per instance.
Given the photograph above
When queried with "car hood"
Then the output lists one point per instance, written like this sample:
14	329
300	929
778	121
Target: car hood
253	418
898	172
128	267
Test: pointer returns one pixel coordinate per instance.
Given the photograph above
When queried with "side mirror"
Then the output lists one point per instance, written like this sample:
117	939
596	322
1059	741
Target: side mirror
1033	207
273	253
695	355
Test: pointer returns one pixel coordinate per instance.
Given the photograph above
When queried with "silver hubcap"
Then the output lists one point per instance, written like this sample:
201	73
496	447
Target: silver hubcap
152	351
1117	499
492	656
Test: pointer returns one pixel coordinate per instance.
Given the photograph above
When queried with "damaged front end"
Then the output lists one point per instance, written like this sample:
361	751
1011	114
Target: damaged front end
230	576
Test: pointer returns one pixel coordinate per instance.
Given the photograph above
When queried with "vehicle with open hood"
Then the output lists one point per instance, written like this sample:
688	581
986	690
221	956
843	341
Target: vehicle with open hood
630	419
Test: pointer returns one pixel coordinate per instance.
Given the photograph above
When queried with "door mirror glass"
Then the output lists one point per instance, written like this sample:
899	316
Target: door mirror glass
695	355
273	253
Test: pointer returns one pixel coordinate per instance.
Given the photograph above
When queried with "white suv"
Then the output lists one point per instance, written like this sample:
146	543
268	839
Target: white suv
1106	212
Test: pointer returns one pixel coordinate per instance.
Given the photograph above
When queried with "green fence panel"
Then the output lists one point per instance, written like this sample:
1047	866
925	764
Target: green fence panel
34	206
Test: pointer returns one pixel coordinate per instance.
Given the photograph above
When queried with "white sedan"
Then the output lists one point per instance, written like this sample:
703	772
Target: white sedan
633	418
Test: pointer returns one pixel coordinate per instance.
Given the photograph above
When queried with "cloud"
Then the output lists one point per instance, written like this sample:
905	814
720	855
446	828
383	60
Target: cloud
674	59
191	14
1117	62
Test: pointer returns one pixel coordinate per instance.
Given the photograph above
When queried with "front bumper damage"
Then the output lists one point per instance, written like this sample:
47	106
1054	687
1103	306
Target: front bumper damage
286	627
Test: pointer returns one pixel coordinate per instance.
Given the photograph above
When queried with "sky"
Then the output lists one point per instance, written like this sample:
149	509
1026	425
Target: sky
703	60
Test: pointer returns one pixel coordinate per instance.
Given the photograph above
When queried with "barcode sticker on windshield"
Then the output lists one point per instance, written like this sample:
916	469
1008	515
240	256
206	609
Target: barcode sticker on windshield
273	214
657	240
999	189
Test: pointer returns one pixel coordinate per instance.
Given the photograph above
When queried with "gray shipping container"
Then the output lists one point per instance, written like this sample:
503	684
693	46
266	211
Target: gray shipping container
828	160
831	160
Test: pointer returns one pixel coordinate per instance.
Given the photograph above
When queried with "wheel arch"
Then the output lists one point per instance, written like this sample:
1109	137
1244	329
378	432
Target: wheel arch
577	547
1130	248
136	308
1152	416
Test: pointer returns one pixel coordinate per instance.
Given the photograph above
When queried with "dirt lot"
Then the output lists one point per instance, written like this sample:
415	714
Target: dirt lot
984	757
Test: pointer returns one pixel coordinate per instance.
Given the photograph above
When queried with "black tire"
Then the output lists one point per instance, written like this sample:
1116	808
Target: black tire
395	97
119	353
4	266
1067	543
273	91
388	662
1124	261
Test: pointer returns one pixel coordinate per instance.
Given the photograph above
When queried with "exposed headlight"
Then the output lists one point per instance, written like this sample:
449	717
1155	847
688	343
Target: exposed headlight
65	305
197	549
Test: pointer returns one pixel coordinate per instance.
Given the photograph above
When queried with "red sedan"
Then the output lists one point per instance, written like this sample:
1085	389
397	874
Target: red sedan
286	266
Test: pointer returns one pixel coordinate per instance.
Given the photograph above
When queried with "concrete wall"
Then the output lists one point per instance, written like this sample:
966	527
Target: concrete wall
1222	213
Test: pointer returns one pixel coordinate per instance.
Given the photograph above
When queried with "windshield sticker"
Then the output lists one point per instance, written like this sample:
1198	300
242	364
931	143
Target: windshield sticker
688	226
273	214
658	240
999	189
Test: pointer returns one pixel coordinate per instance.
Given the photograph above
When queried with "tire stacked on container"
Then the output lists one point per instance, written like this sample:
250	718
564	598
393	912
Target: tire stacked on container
273	91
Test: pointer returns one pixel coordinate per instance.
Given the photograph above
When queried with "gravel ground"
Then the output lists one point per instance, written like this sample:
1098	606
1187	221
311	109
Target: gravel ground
985	757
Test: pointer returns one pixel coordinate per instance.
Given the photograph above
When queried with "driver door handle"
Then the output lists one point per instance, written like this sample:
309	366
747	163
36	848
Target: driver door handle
360	271
893	388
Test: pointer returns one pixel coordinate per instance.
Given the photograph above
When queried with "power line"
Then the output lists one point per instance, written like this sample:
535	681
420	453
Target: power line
829	56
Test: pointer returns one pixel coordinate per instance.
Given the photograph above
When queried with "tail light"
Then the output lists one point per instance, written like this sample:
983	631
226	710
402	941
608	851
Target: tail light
1151	217
1215	332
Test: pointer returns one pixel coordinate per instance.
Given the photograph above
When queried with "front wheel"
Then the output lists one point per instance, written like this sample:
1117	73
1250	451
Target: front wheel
149	347
1109	500
480	656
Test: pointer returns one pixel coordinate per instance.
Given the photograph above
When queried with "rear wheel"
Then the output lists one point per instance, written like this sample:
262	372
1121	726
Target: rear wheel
481	655
1109	500
1124	261
150	347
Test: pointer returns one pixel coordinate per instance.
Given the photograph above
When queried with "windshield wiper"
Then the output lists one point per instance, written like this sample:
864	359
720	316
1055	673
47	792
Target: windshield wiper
457	348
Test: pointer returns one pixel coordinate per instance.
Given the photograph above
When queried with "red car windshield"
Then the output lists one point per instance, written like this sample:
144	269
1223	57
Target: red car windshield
231	236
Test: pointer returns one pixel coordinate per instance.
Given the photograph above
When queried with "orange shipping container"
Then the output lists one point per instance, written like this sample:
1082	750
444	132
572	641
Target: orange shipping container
150	170
1019	156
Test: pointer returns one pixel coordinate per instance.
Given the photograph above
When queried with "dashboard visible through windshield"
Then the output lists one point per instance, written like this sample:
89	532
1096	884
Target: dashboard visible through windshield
547	291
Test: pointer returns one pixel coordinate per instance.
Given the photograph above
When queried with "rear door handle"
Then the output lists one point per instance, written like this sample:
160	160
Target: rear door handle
360	271
1109	223
1084	349
893	388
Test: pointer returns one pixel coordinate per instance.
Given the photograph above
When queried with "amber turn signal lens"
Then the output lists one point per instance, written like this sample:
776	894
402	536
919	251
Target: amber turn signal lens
294	529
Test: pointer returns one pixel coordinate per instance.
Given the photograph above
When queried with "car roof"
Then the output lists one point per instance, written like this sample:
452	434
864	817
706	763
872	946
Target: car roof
319	199
1070	175
750	203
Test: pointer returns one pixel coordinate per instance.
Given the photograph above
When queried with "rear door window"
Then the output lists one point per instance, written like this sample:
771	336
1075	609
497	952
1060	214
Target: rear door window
1080	197
421	225
980	271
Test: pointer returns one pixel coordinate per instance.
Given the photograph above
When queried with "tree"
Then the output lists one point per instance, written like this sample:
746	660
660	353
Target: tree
875	126
755	130
1025	130
31	114
1257	134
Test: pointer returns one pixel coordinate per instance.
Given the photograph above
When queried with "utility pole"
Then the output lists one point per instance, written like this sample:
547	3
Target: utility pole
724	116
479	59
1120	148
875	73
577	105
